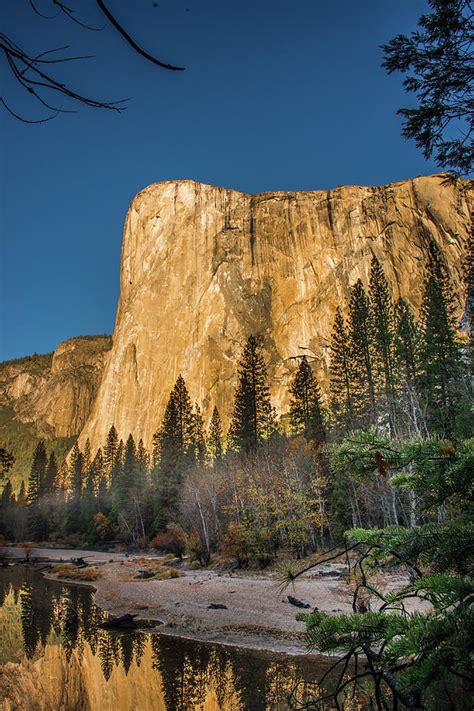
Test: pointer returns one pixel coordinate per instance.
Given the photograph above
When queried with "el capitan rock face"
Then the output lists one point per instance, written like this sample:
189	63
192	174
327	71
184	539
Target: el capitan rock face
204	267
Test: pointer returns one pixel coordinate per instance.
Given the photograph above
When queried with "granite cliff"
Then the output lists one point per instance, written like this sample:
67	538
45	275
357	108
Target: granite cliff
55	392
49	397
203	267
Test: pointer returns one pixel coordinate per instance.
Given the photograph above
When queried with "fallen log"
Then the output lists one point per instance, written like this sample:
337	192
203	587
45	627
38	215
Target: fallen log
298	603
128	622
119	623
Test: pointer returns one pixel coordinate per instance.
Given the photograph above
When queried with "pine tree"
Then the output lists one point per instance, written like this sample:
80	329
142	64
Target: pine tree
110	451
143	456
36	482
361	345
214	441
407	365
95	472
76	480
86	459
117	465
253	418
172	446
51	475
198	443
342	375
7	510
384	334
440	353
176	433
128	494
467	321
305	404
22	498
76	471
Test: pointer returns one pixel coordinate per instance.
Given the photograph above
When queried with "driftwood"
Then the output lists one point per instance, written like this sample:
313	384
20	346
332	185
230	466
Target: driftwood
120	623
79	562
144	575
128	622
298	603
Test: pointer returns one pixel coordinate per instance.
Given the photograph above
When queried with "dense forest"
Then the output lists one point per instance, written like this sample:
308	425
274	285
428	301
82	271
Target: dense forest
380	468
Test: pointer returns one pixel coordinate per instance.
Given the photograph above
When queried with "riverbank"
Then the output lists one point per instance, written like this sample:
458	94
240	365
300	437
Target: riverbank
243	608
227	607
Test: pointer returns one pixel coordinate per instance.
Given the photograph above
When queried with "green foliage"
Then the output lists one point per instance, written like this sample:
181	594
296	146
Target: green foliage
6	461
305	405
175	447
20	439
437	62
214	441
253	418
440	354
383	338
362	354
342	375
36	363
410	652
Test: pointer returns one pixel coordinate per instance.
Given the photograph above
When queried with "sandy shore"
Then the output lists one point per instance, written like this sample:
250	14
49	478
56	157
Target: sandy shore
255	612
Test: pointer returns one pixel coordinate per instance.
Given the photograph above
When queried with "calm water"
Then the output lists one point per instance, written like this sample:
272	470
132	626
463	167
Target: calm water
55	656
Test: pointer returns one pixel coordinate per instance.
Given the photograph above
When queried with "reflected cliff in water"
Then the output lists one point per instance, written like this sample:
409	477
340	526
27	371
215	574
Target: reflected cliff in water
55	655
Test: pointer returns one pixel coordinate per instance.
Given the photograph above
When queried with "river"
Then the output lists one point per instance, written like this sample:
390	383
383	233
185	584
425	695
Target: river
54	655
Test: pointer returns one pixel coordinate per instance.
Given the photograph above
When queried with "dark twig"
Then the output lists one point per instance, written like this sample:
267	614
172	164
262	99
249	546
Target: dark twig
132	42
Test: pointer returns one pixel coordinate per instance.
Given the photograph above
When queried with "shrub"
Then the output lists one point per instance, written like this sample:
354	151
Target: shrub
196	550
173	541
71	572
234	544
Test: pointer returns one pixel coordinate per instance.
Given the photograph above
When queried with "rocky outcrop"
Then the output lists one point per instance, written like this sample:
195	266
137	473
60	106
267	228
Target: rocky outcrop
203	267
55	392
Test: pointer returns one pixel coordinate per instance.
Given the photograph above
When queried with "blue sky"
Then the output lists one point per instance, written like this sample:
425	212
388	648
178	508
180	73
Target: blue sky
275	95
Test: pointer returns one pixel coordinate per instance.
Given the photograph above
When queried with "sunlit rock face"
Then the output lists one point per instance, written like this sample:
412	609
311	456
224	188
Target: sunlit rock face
204	267
55	393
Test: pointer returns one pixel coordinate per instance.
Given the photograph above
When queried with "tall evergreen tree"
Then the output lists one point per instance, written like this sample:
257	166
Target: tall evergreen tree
198	443
95	472
128	494
76	480
175	436
407	365
467	321
22	498
51	475
253	418
36	483
143	456
86	458
172	446
110	451
384	335
361	344
342	375
214	440
117	465
305	405
440	354
7	511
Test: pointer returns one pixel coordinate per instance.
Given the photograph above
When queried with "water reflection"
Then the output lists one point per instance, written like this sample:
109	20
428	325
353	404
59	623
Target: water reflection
53	632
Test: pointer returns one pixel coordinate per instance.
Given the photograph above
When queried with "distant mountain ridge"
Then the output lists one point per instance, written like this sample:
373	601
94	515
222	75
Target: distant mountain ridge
49	396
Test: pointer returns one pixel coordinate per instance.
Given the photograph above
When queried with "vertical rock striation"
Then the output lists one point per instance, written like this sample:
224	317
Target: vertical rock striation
204	267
